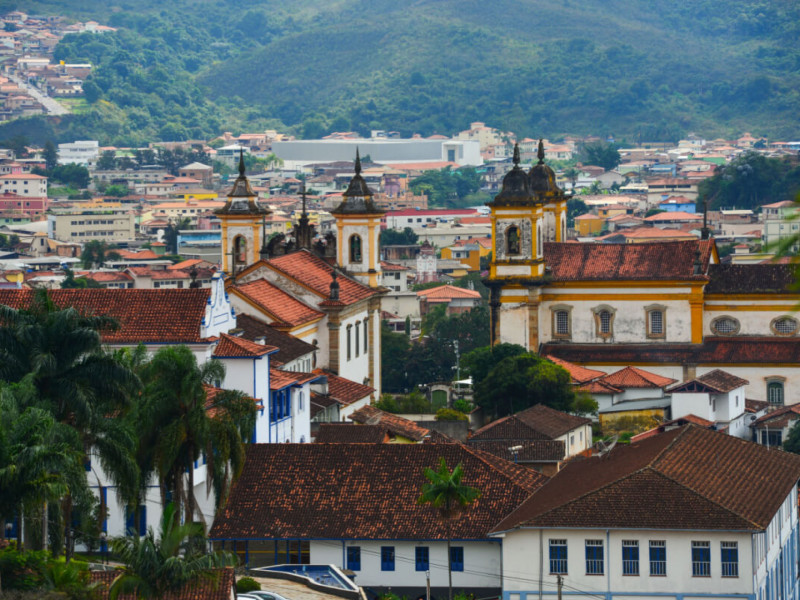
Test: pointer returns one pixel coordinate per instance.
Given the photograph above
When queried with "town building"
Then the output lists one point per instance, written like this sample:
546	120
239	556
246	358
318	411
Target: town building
85	225
82	152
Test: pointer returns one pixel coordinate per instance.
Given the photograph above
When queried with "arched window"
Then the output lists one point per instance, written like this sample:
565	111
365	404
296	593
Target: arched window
562	325
656	321
513	241
604	320
355	248
240	251
775	393
563	230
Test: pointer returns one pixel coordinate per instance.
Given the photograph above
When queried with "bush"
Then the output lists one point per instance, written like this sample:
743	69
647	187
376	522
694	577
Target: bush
22	570
450	414
461	405
247	584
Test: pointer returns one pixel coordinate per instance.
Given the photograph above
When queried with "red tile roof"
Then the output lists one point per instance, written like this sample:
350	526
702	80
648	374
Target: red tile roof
649	261
235	347
289	347
537	422
343	390
677	215
369	415
578	373
721	381
447	293
139	255
751	279
667	425
218	588
315	273
147	316
524	450
106	276
779	418
687	478
364	491
285	309
633	377
282	379
598	387
350	433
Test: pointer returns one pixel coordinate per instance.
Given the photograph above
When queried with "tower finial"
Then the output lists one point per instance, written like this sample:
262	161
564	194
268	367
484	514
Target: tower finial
241	161
516	154
540	154
706	232
334	290
304	198
358	162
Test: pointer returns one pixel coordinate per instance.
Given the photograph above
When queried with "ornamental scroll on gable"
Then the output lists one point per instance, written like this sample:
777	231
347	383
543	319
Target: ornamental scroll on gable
509	239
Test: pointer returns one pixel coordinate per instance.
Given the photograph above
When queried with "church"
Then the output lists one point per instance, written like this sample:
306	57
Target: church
326	293
669	307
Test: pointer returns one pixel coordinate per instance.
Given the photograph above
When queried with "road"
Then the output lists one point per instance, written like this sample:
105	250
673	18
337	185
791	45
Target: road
51	106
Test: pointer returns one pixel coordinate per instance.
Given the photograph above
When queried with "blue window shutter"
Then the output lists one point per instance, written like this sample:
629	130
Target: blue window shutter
457	558
142	520
354	558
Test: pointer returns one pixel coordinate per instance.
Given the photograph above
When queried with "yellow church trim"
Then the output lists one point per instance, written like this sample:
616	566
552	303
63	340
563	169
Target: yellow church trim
625	284
749	307
613	297
749	297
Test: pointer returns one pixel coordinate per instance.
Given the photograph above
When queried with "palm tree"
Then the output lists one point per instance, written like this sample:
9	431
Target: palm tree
155	565
96	253
445	492
181	425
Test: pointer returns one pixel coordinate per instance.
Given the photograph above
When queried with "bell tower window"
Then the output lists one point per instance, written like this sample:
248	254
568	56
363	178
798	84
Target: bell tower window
513	241
355	248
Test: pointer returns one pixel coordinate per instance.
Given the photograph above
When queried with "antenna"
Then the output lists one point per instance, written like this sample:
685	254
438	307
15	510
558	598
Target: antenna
604	447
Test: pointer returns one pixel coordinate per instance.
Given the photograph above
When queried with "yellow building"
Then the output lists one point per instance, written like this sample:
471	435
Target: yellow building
589	224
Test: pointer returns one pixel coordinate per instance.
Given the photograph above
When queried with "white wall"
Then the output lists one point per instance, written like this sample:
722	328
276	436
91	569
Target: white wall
357	367
481	563
577	440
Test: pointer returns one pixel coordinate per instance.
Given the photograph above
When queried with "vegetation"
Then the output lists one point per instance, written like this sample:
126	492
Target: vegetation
445	493
449	187
413	403
450	414
393	237
96	253
247	584
600	155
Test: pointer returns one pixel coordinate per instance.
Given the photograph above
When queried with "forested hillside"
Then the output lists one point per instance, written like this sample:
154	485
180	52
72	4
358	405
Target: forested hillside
643	69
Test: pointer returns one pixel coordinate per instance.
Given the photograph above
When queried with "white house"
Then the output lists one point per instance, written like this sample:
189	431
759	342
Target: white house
26	185
718	397
686	513
82	152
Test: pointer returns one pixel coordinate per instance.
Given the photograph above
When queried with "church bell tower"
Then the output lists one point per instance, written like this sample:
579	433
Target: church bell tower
241	218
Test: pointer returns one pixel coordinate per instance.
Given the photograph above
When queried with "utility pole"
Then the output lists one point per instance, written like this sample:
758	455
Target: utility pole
427	585
560	582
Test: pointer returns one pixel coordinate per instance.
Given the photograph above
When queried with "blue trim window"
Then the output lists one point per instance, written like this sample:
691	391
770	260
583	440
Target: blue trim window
354	558
630	557
701	559
421	558
558	557
730	559
457	558
130	521
658	558
594	557
387	558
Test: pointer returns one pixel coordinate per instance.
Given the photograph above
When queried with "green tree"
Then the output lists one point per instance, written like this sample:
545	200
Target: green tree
447	187
518	382
50	155
446	493
393	237
572	174
155	565
96	253
179	426
479	362
72	175
172	232
749	181
601	155
116	190
394	353
107	161
575	208
792	442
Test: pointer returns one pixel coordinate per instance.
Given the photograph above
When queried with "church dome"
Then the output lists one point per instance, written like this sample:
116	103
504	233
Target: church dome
516	186
542	178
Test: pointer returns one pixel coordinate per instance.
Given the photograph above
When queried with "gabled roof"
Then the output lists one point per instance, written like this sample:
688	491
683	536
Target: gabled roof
284	308
598	387
633	377
369	415
578	373
219	588
677	215
314	273
279	380
343	390
538	422
288	347
350	433
147	316
751	279
446	293
234	347
722	381
364	491
779	418
647	261
667	425
687	478
524	450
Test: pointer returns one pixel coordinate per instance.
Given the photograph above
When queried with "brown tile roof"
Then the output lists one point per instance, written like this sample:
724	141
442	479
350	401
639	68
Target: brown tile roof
751	279
315	273
753	406
363	491
280	379
289	347
578	373
722	381
139	255
633	377
106	276
147	316
687	478
665	426
713	351
350	433
598	387
446	293
779	417
598	262
369	415
535	423
343	390
234	347
218	588
526	450
285	309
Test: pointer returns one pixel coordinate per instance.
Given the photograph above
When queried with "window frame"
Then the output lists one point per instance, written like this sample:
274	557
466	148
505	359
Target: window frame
355	257
349	330
729	567
630	559
701	558
457	558
354	558
658	558
387	558
558	556
518	251
649	312
422	558
715	322
776	383
773	326
595	557
598	312
554	312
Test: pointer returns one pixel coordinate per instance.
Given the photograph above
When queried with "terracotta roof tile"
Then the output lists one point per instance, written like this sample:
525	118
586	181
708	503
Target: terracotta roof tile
754	406
219	588
106	276
526	450
598	387
350	433
279	379
677	215
447	292
597	262
289	347
147	316
138	255
578	373
751	279
633	377
687	478
312	271
319	491
234	347
722	381
791	412
286	309
534	423
667	425
369	415
343	390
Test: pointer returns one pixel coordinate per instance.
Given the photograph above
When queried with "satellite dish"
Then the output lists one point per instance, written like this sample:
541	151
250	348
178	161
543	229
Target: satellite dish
373	420
604	447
